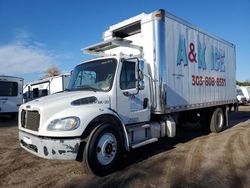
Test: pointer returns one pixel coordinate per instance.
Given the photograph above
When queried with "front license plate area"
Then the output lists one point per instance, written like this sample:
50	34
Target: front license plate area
27	140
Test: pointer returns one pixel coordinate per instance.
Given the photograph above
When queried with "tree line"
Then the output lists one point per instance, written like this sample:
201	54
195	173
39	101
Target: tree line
245	83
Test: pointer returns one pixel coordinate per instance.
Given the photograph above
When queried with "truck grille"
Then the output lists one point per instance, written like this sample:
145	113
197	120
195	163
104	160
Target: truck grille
30	120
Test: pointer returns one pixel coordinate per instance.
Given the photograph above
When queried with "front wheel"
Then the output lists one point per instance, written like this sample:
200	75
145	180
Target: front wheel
103	149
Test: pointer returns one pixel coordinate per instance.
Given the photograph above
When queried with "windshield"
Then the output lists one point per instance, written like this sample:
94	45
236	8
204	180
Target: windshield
8	89
239	92
95	75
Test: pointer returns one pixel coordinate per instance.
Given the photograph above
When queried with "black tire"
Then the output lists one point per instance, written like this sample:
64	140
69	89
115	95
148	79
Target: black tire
217	120
103	160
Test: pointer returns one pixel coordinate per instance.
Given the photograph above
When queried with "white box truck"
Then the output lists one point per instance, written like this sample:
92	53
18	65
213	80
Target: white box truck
46	86
11	95
154	72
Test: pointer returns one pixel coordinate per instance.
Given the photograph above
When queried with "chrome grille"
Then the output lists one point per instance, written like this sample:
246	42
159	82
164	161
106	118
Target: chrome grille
30	120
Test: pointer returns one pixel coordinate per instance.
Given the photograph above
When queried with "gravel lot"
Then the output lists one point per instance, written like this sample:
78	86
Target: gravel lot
192	159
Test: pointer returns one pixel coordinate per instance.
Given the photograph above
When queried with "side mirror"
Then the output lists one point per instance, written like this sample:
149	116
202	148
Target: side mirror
141	65
141	85
140	75
139	70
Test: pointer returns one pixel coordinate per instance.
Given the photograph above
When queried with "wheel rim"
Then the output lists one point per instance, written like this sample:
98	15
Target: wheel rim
219	119
106	148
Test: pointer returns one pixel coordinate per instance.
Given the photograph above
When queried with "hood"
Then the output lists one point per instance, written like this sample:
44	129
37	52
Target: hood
60	105
62	100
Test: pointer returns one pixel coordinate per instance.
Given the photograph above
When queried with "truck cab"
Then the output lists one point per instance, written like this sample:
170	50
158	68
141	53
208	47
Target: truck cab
121	80
110	93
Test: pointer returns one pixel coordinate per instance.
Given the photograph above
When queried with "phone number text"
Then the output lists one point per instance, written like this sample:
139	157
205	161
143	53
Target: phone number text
207	81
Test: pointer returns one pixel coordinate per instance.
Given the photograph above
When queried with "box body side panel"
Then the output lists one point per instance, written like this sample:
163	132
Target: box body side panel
200	69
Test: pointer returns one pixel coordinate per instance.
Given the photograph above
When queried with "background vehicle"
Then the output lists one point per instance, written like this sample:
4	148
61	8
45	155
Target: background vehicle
240	96
246	92
154	71
11	96
44	87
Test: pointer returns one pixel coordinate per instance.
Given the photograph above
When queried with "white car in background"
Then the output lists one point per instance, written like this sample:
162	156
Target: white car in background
246	92
240	96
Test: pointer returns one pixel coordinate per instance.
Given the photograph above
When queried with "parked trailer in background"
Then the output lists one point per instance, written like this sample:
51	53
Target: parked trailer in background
11	94
44	87
241	99
246	92
154	72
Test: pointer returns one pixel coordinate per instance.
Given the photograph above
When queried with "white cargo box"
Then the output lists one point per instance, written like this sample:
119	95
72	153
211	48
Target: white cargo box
190	68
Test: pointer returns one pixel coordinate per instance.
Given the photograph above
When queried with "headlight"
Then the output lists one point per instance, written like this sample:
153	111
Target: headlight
64	124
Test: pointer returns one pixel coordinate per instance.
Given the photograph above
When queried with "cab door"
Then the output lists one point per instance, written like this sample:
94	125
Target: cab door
132	101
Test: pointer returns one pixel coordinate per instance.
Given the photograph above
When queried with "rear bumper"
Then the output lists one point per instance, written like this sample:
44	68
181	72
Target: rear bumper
50	148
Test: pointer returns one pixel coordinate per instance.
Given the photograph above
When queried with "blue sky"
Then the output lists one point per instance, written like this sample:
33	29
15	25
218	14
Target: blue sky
35	34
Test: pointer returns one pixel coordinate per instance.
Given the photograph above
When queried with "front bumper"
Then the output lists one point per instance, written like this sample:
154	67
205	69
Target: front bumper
50	148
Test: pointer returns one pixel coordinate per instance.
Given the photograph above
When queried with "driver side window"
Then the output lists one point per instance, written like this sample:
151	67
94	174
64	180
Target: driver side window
127	78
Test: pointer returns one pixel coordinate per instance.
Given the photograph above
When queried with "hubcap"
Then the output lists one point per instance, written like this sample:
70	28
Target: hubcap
106	148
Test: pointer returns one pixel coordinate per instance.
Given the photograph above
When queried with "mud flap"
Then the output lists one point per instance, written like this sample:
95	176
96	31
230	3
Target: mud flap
226	116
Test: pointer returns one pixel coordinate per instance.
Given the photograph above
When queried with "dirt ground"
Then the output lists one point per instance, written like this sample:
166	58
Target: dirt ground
192	159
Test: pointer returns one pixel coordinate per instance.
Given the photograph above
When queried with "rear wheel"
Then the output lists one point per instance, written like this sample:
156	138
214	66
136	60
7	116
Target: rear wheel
217	120
103	149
